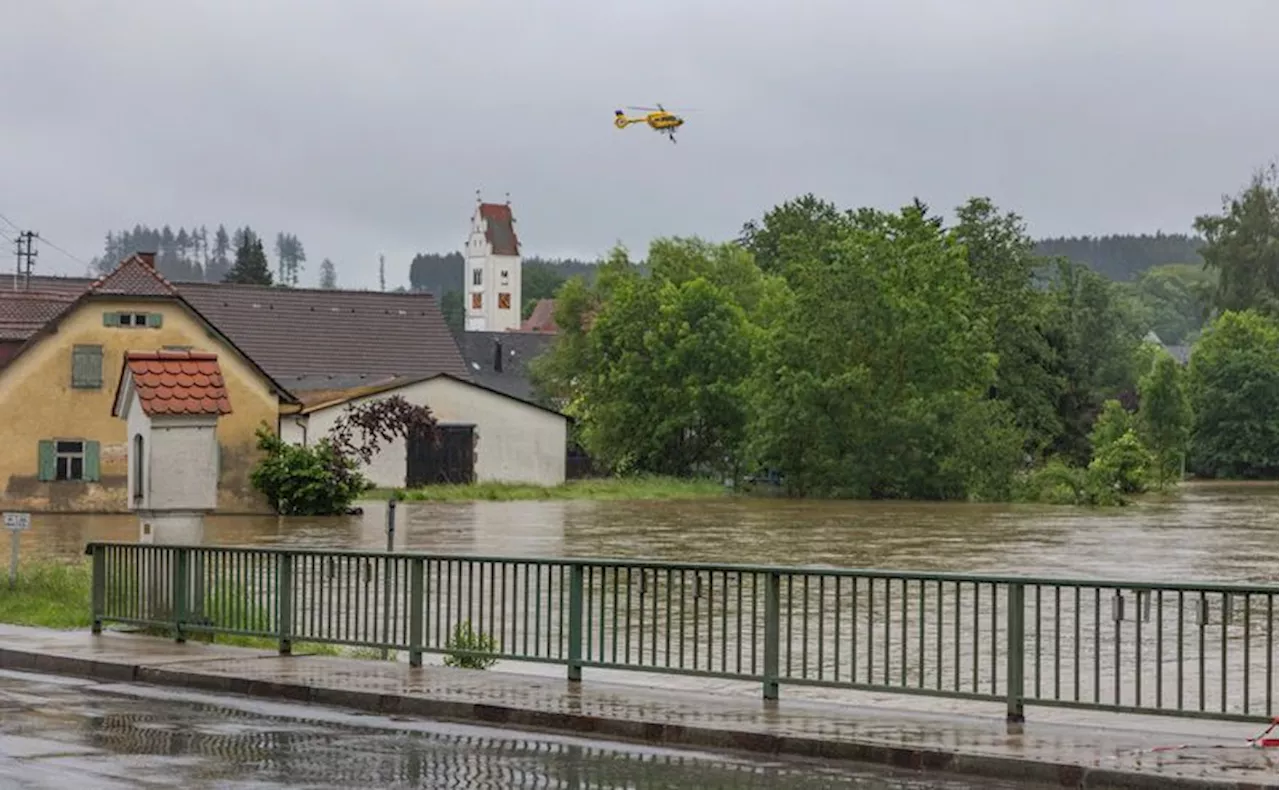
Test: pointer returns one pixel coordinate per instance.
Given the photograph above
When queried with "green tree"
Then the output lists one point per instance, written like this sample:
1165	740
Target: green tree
539	280
1174	300
1241	245
1232	381
651	366
1002	263
873	364
1113	422
555	373
1097	346
251	267
328	274
1120	463
1164	416
792	231
451	307
220	262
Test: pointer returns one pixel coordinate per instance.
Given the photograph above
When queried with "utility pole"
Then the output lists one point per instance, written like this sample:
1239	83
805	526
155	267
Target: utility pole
26	254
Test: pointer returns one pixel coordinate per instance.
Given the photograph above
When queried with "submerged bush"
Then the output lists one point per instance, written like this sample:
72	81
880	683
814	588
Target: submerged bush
312	480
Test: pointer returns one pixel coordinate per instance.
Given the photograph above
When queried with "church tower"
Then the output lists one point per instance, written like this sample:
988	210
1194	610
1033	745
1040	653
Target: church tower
492	276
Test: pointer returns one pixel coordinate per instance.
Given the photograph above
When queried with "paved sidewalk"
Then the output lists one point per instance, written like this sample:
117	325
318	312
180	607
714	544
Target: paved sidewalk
1086	751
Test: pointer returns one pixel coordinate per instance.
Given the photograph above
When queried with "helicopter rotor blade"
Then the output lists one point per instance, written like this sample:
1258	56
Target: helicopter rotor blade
661	109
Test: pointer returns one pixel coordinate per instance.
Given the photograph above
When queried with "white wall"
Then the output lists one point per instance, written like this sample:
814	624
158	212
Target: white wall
517	442
139	424
183	463
293	428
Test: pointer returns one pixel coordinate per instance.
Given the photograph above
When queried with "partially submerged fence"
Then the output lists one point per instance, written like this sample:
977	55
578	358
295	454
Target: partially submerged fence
1205	650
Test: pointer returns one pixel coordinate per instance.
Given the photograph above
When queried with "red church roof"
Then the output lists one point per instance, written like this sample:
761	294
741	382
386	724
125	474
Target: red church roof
500	229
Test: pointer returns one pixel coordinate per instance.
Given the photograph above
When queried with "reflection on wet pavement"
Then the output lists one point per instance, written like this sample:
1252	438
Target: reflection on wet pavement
59	733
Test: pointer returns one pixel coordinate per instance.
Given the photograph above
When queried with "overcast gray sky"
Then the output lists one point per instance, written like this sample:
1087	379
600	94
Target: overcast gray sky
367	126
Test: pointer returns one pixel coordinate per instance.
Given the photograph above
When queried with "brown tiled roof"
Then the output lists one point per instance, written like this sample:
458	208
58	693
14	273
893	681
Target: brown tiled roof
22	313
291	332
542	319
135	282
63	286
500	228
178	382
135	276
296	331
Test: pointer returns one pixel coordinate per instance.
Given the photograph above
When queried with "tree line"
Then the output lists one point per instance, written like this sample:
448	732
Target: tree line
196	255
881	354
1124	256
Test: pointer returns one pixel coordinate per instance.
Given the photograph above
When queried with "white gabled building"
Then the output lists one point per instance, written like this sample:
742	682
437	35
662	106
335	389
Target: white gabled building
485	435
492	275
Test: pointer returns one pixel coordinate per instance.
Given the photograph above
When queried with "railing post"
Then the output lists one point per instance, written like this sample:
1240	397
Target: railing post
416	570
98	595
575	622
772	637
180	585
284	601
1015	649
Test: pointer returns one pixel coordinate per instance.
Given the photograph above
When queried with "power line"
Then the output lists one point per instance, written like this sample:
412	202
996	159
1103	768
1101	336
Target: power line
56	247
64	252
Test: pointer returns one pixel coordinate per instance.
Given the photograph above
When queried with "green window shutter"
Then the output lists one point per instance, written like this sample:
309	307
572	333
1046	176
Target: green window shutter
111	319
48	462
154	320
92	466
86	367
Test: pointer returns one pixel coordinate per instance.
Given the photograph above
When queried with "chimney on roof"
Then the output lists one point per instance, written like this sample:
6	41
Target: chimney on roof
148	259
497	355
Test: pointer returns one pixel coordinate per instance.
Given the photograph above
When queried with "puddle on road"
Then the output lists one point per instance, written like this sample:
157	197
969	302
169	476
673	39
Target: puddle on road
90	738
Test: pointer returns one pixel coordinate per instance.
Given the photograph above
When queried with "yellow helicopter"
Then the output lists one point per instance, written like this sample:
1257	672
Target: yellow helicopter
657	118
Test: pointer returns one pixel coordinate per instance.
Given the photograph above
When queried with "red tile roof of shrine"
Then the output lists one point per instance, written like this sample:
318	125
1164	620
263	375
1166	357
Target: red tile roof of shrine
178	382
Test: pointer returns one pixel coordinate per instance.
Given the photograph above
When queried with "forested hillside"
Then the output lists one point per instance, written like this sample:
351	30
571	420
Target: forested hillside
1126	256
198	254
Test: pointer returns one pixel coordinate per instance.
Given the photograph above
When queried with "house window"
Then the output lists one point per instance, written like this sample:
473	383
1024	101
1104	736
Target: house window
476	302
86	367
69	459
475	277
505	276
153	320
138	466
504	301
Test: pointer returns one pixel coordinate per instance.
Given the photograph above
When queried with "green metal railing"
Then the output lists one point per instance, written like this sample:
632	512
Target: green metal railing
1205	650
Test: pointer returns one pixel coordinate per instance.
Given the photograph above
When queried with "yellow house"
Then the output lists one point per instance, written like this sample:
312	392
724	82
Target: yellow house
60	447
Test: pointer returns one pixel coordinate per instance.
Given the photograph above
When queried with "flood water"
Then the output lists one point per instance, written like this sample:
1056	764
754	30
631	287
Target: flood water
1204	532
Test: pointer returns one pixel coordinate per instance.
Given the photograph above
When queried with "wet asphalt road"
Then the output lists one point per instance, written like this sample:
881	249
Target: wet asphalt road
61	733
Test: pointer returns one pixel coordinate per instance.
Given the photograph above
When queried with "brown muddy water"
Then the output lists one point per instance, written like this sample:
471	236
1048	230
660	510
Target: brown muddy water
1203	532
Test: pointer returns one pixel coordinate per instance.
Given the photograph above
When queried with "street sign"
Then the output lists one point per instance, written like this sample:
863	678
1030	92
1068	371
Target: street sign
15	523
